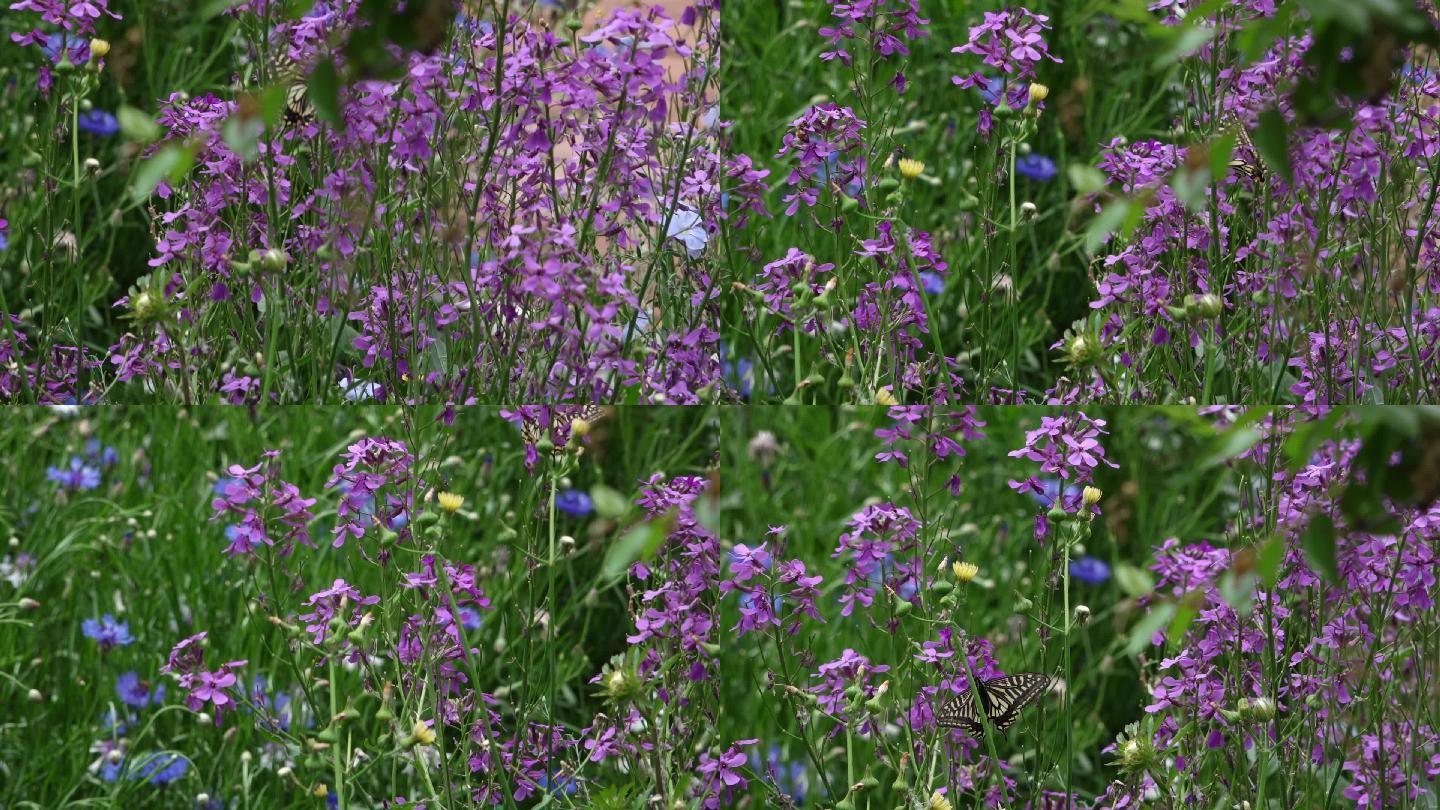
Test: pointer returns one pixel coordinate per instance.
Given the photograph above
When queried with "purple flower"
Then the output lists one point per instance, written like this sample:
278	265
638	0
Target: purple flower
107	632
933	283
211	688
77	477
267	507
99	122
573	502
137	693
1036	167
1090	570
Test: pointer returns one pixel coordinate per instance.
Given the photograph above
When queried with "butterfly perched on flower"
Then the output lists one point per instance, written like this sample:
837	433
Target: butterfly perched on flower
1002	699
1246	158
286	71
557	423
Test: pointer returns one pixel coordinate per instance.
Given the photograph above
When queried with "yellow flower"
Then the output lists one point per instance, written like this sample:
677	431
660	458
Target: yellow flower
579	427
321	790
422	733
99	47
1090	496
965	571
910	168
884	397
1039	92
938	802
451	502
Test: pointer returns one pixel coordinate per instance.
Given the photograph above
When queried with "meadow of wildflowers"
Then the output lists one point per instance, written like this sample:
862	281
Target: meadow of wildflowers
363	607
1237	606
308	202
1070	201
669	404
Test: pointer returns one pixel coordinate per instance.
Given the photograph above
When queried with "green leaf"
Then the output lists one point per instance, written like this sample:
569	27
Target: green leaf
1272	553
1221	150
640	542
1319	544
1085	179
1185	613
1230	444
1159	617
324	90
1111	219
1186	41
1272	141
137	125
1132	580
608	502
170	163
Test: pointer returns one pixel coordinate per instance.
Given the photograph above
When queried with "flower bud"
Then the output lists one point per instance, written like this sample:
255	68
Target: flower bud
1090	496
35	696
1038	92
99	47
1082	615
26	603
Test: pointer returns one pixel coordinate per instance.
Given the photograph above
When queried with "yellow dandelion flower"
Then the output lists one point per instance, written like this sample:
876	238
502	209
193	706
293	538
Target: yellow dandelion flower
910	168
965	571
451	502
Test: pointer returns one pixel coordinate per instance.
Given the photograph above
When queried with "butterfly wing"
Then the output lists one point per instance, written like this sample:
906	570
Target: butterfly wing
959	712
1008	696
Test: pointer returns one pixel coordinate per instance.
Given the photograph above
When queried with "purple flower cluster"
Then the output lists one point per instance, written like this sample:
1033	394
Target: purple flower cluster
879	547
1067	446
765	586
826	148
374	482
886	27
267	508
1310	647
1012	42
206	688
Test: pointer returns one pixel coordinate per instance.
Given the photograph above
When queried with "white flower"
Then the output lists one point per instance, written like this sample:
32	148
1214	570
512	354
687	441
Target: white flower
687	226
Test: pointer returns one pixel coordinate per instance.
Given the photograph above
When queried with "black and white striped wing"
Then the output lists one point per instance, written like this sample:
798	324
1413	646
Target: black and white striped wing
959	712
1006	697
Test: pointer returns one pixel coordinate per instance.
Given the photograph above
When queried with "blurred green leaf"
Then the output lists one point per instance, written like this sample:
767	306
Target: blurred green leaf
1132	580
1185	614
1085	179
1272	553
608	502
1230	444
1272	141
170	163
324	91
137	125
638	543
1319	544
1157	619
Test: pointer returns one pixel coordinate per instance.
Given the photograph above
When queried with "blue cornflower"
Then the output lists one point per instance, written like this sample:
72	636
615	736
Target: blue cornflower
1089	570
1036	167
469	617
99	122
574	502
77	476
161	768
107	632
79	48
137	693
932	282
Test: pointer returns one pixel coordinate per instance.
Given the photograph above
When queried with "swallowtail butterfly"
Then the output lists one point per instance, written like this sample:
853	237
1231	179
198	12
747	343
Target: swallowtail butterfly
1002	700
1247	162
554	424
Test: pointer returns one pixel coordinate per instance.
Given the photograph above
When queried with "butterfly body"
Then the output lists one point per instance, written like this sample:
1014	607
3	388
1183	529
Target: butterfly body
1001	699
